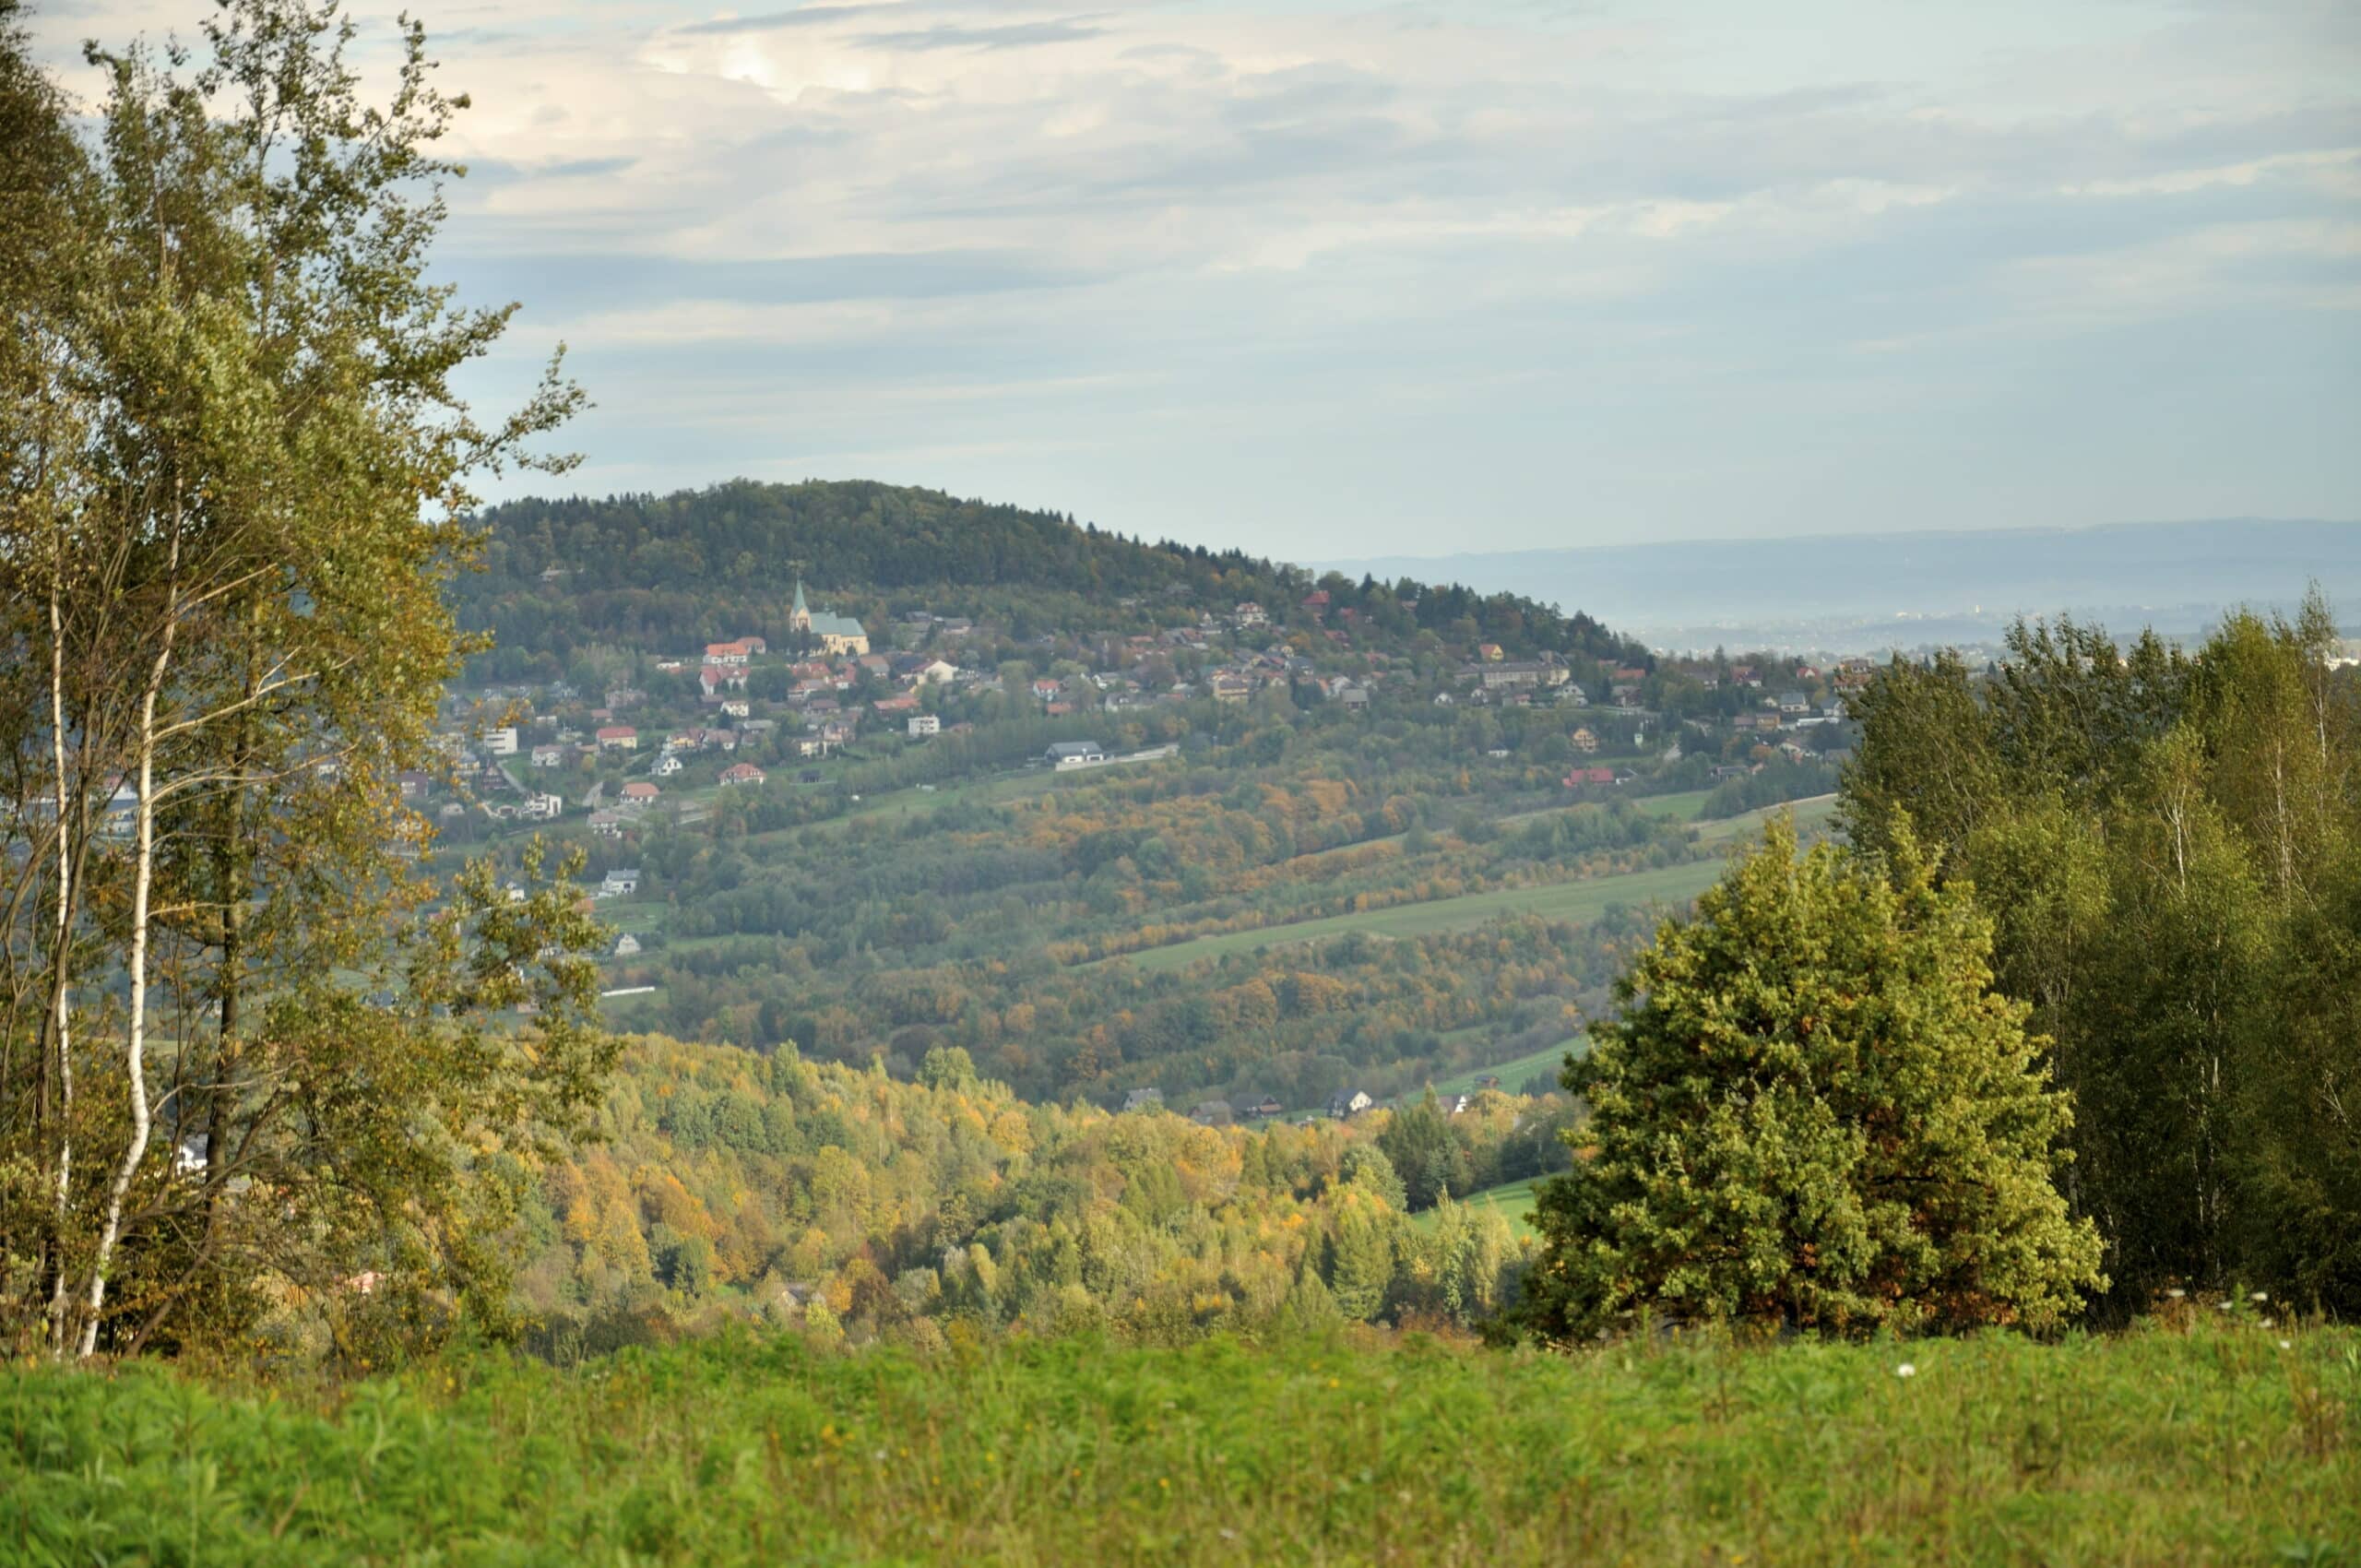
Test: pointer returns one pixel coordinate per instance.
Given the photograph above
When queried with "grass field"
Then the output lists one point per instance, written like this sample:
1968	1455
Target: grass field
1577	902
2210	1446
1514	1201
1512	1074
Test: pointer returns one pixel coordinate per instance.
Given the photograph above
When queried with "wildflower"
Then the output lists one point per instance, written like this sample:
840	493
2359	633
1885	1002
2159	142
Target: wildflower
2286	1345
2177	1292
2266	1322
2260	1296
1905	1369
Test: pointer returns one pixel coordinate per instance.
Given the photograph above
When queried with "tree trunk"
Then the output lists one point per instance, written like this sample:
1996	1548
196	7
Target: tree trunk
60	1301
143	881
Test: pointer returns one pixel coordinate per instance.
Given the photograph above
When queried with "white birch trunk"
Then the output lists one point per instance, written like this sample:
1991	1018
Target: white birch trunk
60	1302
143	879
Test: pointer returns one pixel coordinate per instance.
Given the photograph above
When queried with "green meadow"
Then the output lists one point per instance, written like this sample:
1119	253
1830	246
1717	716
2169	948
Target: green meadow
1514	1201
1575	903
2205	1444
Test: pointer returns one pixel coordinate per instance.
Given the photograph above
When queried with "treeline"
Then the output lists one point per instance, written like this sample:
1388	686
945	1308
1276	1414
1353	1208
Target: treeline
679	569
2168	844
725	1185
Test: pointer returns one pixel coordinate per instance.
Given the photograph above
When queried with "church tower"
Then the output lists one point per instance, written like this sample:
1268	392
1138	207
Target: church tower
799	618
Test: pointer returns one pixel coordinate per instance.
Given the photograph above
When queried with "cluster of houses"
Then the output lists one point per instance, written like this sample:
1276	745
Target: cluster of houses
837	683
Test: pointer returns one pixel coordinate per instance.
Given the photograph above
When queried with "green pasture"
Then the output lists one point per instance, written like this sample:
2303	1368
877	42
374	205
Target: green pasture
1514	1203
2209	1445
1511	1074
1577	902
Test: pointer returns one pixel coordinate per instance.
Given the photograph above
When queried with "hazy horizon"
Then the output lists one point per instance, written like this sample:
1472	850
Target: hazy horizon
1325	279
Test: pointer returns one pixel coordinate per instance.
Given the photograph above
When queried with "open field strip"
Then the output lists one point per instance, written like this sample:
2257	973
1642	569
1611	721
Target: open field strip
1579	901
1513	1201
1512	1072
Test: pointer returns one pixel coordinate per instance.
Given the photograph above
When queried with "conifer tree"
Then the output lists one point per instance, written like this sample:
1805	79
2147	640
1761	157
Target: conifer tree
1813	1111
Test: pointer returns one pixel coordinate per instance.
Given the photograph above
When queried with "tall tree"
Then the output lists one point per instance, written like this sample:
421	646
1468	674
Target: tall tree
234	513
2166	841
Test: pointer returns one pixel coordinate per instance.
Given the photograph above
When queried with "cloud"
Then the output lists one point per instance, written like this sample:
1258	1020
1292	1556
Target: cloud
1012	35
1361	262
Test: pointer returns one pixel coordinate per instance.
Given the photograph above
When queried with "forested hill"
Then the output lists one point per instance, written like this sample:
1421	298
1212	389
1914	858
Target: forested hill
723	562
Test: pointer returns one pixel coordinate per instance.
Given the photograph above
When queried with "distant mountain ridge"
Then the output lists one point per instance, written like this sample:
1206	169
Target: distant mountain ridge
1869	590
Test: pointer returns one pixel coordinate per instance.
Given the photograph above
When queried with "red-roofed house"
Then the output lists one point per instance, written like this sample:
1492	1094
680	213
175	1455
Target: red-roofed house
617	737
741	773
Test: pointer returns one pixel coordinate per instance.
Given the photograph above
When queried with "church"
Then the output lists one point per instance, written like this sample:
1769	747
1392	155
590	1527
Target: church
835	634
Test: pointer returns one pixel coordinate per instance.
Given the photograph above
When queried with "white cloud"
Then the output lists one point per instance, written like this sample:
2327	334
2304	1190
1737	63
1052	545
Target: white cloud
1138	218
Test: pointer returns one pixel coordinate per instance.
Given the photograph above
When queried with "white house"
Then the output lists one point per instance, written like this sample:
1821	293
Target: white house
619	885
501	742
926	724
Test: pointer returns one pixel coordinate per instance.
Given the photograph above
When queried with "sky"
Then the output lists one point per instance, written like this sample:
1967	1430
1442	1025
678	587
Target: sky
1331	280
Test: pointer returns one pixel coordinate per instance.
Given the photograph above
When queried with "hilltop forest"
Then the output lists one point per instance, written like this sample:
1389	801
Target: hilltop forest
684	569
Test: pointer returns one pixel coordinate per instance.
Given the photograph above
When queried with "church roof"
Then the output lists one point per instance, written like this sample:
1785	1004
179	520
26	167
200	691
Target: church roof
826	626
798	596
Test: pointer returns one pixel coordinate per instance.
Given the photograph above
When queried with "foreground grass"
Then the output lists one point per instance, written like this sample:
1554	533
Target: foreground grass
2210	1446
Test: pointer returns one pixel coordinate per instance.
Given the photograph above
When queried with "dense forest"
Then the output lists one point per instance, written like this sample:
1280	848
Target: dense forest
686	568
723	1184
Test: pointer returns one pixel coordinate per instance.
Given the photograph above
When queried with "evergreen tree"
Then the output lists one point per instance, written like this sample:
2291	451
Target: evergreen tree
1813	1109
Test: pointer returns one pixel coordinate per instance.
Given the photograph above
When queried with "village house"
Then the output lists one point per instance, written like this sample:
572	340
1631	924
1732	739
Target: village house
1346	1104
640	793
1213	1114
1074	754
542	807
1583	741
606	824
1144	1099
626	947
665	766
617	738
548	756
618	883
741	773
925	724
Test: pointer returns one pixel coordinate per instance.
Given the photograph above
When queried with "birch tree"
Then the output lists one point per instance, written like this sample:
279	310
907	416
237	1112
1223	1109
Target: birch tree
239	484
